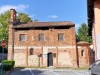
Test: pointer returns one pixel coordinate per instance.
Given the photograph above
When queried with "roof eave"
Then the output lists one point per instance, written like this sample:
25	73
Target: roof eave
42	26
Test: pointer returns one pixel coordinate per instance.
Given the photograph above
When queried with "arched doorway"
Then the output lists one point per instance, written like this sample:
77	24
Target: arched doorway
50	59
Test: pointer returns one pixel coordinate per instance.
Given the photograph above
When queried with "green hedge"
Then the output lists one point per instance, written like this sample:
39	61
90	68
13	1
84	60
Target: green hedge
8	64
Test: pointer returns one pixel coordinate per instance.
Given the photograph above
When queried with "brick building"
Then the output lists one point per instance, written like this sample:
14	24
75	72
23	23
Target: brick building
45	44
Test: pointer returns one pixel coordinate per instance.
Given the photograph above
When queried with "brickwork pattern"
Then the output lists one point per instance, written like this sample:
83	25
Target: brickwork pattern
84	57
65	51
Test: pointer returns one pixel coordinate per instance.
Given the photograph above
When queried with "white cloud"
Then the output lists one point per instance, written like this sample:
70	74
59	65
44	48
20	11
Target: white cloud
20	7
32	15
53	16
77	26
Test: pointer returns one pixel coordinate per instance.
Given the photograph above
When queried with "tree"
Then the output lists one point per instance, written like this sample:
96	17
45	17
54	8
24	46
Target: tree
77	38
36	20
23	17
83	33
4	23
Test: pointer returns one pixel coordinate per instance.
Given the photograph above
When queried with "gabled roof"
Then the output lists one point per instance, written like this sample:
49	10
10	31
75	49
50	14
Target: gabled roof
43	24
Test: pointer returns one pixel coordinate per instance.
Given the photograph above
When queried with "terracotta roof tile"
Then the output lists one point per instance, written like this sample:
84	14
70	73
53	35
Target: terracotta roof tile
44	24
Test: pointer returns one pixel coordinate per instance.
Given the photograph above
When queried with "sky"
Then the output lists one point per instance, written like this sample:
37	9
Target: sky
50	10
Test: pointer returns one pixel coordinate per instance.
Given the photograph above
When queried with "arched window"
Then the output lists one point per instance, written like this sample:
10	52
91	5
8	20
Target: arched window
31	51
82	52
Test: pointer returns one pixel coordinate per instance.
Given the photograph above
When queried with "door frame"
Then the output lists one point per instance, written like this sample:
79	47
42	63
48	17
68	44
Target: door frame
50	54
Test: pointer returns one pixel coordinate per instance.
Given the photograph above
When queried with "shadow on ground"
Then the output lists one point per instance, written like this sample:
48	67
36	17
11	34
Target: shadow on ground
23	71
37	72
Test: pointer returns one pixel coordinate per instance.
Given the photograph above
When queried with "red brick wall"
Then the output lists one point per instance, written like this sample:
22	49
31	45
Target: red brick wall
69	37
83	60
10	42
69	41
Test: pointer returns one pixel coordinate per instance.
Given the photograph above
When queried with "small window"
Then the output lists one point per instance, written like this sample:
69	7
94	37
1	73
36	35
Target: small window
60	37
31	51
82	52
22	37
41	37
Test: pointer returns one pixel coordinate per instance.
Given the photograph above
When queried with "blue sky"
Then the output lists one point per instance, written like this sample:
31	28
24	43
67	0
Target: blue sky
50	10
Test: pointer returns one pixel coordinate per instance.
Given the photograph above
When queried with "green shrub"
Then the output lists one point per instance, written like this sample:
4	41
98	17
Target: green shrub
8	64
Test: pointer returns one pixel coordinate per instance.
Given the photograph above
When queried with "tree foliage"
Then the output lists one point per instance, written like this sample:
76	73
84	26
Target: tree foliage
36	20
23	17
77	38
4	23
83	33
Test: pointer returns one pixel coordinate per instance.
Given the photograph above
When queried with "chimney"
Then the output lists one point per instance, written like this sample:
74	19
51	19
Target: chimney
13	15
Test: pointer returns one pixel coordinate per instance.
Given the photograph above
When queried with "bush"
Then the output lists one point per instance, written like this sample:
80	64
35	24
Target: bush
8	64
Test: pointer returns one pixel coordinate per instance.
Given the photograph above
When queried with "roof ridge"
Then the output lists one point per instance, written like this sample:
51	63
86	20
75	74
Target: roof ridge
50	21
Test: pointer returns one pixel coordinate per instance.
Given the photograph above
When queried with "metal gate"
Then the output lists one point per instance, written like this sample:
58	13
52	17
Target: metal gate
50	59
